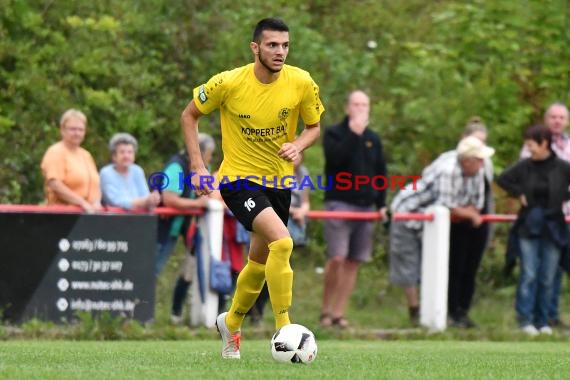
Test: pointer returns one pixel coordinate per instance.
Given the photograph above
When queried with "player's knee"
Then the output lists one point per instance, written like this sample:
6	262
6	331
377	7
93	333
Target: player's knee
282	247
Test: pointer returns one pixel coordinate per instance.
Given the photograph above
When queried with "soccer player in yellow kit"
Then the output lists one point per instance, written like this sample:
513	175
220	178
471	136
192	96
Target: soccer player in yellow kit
260	104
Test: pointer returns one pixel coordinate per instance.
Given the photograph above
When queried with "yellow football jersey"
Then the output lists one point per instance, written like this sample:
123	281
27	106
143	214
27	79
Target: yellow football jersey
257	119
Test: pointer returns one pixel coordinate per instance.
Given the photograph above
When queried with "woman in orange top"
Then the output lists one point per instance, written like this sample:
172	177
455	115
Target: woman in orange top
70	173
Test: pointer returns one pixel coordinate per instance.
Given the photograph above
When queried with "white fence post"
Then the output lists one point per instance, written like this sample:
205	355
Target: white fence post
210	227
435	270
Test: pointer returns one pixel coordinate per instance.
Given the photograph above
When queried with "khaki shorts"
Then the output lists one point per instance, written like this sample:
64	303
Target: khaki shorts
351	239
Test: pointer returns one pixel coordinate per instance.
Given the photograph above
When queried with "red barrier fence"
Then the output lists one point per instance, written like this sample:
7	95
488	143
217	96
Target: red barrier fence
110	210
313	214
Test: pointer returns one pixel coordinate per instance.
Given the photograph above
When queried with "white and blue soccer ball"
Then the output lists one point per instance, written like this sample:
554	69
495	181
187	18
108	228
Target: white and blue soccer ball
294	344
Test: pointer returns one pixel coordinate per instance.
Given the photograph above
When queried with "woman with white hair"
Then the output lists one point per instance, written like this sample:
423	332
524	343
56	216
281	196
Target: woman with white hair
123	182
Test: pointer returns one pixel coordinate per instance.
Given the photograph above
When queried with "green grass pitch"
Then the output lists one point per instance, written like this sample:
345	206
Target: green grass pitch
199	359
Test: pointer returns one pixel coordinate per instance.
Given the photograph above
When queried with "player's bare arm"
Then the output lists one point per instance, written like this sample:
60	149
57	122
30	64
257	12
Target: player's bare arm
189	121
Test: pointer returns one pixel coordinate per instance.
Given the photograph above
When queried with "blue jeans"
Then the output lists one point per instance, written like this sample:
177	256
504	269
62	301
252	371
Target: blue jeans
163	252
539	263
554	309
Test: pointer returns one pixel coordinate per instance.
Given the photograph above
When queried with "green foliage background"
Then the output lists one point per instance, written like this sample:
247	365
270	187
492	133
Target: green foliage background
131	66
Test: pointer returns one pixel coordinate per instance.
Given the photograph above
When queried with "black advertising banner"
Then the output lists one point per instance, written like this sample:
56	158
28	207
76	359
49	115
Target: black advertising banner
54	265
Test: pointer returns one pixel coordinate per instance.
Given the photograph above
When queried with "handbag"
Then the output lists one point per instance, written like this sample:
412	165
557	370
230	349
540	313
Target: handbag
242	235
221	273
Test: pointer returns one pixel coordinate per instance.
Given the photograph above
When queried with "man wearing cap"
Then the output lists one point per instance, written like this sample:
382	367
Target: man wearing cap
456	182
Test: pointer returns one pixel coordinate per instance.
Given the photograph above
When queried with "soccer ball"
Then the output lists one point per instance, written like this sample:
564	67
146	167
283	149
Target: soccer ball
294	344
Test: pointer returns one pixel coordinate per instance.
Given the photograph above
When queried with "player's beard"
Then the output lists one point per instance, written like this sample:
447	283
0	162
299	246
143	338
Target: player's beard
265	64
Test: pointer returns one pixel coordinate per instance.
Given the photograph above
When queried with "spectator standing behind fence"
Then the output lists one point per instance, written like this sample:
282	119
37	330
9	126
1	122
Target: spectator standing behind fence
232	248
179	196
70	173
189	227
458	184
123	183
541	183
556	119
467	243
350	147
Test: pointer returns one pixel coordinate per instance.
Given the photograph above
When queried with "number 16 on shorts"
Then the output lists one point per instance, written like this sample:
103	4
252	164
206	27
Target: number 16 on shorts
249	204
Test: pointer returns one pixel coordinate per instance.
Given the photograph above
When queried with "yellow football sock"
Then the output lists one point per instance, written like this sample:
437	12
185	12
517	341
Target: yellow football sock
279	277
249	284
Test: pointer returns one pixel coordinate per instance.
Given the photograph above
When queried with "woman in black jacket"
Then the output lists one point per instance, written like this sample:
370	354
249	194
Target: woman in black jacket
541	182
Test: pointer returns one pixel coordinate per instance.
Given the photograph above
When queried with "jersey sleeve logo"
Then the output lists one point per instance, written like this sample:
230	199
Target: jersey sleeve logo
202	94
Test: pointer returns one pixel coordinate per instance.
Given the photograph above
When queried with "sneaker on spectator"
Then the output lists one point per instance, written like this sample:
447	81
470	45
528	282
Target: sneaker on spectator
529	330
558	324
230	341
176	319
462	322
547	330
